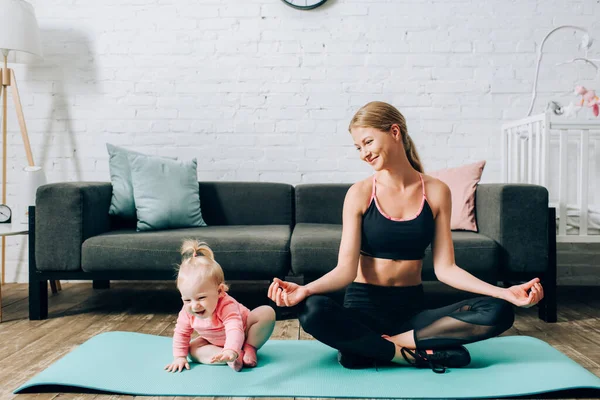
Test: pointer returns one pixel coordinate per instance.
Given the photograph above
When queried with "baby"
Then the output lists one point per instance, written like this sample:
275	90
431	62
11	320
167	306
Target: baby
227	331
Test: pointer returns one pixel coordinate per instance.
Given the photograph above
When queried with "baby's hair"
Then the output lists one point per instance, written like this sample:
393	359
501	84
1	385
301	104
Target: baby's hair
196	254
193	248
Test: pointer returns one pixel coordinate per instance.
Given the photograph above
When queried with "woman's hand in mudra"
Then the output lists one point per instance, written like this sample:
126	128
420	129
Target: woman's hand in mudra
526	294
286	294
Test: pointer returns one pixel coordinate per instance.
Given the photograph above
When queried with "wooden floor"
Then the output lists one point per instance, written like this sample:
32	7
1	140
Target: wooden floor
79	312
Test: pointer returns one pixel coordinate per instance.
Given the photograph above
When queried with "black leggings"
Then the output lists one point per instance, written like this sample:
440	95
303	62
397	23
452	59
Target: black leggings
370	311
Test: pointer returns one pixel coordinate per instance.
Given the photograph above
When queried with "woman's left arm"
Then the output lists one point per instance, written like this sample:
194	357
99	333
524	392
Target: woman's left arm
449	273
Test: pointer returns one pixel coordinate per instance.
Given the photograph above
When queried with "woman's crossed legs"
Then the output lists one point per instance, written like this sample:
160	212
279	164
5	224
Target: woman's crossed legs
358	331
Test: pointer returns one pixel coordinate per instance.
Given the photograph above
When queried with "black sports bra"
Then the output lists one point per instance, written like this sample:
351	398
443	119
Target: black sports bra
396	239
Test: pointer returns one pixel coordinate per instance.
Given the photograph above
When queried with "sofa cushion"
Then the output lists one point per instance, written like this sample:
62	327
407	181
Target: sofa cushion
122	203
244	252
473	252
462	182
165	192
315	247
247	203
320	203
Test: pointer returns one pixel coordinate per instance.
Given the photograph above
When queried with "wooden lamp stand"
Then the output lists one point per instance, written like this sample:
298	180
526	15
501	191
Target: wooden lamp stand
9	80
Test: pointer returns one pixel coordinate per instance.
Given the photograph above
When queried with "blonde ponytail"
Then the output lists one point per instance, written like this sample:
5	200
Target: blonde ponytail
411	153
193	248
198	255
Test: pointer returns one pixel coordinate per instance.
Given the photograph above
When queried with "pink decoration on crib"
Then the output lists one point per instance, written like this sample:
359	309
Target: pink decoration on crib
589	99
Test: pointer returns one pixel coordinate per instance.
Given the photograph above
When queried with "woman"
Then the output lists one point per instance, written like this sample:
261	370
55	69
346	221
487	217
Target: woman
388	222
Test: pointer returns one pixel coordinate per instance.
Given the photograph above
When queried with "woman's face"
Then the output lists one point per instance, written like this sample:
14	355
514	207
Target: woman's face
377	148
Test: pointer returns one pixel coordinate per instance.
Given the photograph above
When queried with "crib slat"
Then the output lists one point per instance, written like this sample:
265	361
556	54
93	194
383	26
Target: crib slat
504	154
530	162
511	156
562	183
584	182
522	160
517	144
545	148
593	176
538	150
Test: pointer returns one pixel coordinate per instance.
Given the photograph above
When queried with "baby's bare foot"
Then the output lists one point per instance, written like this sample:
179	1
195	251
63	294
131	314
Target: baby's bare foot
238	364
249	356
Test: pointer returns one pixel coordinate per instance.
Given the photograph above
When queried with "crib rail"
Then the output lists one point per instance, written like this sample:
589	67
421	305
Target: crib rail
528	156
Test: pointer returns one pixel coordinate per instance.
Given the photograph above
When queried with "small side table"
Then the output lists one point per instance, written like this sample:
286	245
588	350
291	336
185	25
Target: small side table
14	229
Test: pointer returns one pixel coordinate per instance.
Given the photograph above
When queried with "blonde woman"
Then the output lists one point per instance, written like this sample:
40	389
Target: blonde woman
389	220
228	332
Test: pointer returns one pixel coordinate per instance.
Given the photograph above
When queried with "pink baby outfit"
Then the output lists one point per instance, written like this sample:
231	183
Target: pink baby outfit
226	328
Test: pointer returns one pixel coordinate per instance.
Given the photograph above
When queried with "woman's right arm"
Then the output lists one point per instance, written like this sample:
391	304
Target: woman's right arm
345	271
289	294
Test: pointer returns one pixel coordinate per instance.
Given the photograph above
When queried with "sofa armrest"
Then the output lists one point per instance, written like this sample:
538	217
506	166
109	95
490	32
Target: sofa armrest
515	216
66	214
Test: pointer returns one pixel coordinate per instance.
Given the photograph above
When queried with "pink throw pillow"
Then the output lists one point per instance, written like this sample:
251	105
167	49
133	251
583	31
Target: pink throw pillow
462	182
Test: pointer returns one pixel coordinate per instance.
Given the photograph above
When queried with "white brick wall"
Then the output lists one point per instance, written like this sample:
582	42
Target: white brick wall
260	91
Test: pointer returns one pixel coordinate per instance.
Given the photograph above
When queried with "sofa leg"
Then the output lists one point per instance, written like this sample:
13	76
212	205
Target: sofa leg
547	307
38	288
38	300
53	287
547	311
101	284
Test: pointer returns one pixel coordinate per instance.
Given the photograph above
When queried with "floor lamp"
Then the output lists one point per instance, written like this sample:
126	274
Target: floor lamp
19	43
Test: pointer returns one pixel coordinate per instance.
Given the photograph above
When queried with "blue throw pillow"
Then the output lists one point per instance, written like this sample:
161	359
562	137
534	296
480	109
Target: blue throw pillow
166	192
122	203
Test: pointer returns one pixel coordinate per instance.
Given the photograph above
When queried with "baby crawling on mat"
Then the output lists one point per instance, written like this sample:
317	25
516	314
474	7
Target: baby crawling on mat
228	332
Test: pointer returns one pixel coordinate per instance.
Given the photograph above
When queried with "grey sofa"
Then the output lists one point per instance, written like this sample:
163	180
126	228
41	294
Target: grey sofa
261	230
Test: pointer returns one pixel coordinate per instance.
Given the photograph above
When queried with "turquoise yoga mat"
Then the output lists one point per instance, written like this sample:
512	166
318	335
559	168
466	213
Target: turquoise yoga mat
132	363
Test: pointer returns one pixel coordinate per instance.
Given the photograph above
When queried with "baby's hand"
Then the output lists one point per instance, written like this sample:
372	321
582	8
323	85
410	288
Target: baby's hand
225	356
178	364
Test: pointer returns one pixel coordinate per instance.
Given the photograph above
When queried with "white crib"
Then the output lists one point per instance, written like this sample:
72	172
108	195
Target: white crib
563	155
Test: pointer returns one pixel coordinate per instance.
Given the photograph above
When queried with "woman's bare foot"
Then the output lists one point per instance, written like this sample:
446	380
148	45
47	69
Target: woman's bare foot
398	356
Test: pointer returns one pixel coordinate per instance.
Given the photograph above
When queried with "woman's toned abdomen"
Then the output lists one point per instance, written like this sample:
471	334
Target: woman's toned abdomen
383	272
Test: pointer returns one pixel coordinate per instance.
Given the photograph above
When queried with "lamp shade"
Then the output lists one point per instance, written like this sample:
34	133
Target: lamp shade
33	178
19	31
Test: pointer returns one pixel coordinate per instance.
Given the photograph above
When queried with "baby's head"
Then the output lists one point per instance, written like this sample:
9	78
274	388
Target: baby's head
200	279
